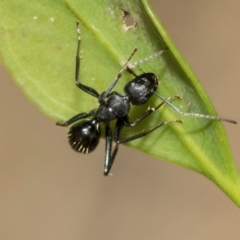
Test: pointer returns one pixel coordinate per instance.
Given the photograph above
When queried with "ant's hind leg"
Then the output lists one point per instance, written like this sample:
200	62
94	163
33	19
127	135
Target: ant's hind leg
73	119
144	133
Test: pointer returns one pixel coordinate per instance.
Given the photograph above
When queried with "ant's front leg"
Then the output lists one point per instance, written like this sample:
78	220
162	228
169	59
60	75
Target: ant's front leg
84	88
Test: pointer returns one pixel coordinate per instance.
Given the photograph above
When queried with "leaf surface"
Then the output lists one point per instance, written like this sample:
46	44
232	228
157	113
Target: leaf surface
38	45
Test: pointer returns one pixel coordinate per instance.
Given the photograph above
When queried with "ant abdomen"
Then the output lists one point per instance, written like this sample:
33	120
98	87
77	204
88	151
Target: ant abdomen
141	88
84	136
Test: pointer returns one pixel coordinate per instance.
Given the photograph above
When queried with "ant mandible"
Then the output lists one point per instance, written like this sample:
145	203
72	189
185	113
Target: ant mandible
84	135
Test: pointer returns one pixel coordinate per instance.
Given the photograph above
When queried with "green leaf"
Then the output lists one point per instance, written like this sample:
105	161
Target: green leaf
38	44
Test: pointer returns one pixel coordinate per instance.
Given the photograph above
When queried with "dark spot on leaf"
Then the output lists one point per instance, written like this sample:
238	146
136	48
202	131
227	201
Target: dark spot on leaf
129	21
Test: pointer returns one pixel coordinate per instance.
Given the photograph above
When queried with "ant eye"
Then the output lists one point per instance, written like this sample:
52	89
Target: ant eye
84	136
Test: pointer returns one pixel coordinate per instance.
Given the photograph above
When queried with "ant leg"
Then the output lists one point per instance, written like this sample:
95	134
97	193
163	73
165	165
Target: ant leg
147	113
108	150
74	119
144	133
110	156
112	85
84	88
118	141
198	115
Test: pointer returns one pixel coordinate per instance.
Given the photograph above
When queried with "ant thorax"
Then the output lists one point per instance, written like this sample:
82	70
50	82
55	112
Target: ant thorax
114	107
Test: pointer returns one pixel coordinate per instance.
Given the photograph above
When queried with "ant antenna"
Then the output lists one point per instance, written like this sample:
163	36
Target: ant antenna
133	65
79	38
112	85
198	115
78	30
78	50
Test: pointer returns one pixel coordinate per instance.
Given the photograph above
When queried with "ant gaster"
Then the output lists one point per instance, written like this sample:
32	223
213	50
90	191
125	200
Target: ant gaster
84	135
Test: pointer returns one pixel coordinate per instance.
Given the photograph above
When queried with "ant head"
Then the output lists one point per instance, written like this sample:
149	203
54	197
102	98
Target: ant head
84	136
141	88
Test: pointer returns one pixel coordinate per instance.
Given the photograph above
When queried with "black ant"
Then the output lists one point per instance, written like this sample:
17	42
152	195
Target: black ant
85	134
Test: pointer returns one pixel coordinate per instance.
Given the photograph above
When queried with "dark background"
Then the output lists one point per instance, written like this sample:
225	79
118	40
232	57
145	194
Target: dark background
47	191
